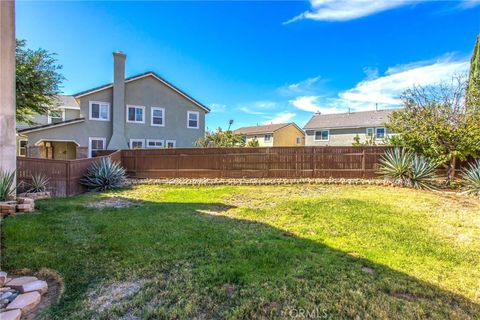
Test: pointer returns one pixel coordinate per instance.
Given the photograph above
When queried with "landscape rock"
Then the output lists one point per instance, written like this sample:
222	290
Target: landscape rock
3	277
11	315
25	302
38	285
5	295
17	283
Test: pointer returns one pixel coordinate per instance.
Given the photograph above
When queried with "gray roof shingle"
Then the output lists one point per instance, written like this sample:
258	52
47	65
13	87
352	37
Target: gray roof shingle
66	101
349	120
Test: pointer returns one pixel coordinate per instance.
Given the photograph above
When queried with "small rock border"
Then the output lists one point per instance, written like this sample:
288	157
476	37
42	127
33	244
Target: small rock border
251	181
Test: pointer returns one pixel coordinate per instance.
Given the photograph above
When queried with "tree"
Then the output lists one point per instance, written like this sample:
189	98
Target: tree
437	122
473	90
37	81
221	139
253	143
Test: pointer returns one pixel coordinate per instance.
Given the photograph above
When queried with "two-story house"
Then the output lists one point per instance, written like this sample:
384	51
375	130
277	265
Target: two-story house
274	135
143	111
341	129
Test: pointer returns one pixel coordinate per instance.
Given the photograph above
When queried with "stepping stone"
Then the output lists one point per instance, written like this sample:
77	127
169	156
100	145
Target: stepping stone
17	283
37	285
3	277
11	315
25	302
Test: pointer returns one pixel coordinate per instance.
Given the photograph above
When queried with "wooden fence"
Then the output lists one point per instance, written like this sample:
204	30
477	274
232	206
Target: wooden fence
64	175
276	162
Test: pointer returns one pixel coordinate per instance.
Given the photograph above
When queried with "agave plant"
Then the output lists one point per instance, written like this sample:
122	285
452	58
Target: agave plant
6	184
104	175
471	177
422	173
395	166
39	183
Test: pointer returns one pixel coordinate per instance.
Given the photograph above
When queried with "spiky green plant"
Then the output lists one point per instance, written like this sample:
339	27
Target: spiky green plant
395	166
104	175
471	178
422	173
6	184
39	183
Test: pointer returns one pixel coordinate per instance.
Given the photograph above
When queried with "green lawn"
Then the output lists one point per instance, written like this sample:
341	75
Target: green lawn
257	251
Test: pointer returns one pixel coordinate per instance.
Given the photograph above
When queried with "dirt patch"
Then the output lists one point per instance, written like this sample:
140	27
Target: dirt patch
405	296
106	297
268	198
113	202
56	287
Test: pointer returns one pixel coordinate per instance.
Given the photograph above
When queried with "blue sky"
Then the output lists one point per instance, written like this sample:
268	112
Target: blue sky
261	62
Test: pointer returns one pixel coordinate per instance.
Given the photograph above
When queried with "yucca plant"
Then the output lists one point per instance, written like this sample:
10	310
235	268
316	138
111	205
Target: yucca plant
39	183
6	184
471	178
104	175
422	173
406	169
395	166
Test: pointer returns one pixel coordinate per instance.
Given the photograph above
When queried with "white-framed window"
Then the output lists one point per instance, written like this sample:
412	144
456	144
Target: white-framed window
370	132
322	135
267	138
137	143
135	114
22	147
299	140
55	116
170	144
155	143
158	117
95	144
193	119
379	133
99	111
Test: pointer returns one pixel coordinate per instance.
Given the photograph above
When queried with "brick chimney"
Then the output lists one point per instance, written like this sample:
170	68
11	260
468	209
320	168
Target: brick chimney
118	141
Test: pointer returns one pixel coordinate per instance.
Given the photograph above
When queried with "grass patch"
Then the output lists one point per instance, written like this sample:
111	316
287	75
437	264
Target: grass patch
256	251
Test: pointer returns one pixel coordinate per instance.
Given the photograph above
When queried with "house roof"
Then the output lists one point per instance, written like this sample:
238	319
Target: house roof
141	76
269	128
349	119
67	102
51	125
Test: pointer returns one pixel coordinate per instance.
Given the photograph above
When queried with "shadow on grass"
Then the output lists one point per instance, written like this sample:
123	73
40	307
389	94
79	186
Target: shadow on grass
197	263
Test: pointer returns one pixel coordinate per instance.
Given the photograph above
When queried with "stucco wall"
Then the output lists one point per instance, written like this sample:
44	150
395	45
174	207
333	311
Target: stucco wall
340	137
261	140
287	137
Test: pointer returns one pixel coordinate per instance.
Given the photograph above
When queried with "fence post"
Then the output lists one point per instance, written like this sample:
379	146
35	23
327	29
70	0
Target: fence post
363	164
67	178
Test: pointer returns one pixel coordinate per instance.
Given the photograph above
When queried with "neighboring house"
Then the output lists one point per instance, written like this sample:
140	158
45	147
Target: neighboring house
142	111
64	108
341	129
274	135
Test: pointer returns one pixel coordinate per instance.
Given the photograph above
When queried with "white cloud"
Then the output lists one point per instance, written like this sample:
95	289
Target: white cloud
385	90
217	107
314	104
250	111
281	118
344	10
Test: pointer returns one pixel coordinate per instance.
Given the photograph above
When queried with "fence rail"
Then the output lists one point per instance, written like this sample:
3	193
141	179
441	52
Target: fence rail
276	162
64	175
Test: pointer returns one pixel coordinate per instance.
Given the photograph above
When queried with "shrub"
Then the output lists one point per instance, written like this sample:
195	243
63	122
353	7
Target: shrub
395	166
104	175
422	173
39	183
406	169
6	184
471	177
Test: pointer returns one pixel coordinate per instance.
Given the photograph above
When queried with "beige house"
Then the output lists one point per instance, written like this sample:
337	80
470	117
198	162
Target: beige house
274	135
143	111
341	129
